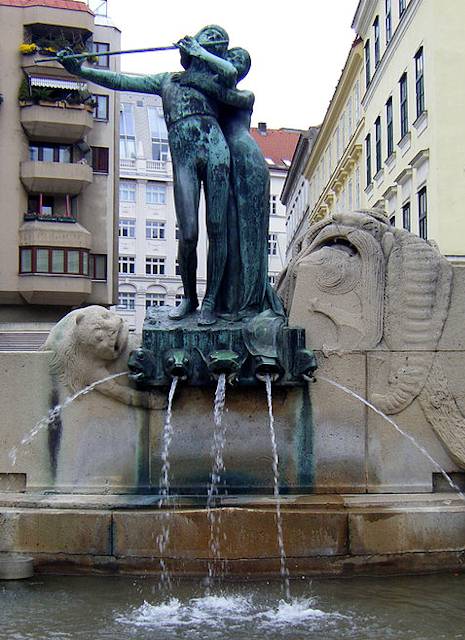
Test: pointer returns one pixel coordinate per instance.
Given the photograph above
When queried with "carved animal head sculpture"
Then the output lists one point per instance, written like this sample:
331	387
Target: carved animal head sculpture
84	342
381	287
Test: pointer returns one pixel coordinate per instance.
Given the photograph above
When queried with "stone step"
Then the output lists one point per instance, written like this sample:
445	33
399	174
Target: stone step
323	535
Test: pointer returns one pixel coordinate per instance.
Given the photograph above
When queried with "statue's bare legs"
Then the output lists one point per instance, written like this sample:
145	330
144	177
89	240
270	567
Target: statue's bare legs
205	161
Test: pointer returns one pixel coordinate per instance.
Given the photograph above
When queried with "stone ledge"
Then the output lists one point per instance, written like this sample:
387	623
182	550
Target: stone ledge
323	535
54	531
419	530
264	568
250	533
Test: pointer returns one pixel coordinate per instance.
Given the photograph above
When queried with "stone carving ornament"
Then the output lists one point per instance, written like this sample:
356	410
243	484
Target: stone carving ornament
385	289
91	344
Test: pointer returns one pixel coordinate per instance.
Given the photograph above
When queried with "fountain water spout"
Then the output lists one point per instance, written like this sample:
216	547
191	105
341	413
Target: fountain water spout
177	364
223	361
265	366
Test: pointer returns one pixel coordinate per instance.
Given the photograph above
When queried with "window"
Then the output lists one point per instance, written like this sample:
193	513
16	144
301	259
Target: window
350	125
177	268
154	230
155	193
159	134
403	106
127	132
154	300
101	106
272	244
406	216
388	21
378	143
127	191
392	220
154	266
46	152
103	61
126	300
98	266
419	82
357	102
402	6
357	187
176	232
273	204
127	228
55	260
367	64
389	128
422	214
377	41
127	264
51	207
368	158
272	280
178	298
100	159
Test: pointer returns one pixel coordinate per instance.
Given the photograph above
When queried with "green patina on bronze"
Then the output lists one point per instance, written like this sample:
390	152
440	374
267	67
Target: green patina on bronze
208	121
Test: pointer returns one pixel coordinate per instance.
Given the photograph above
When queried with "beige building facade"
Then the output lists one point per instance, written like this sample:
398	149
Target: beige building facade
400	140
59	168
413	106
329	175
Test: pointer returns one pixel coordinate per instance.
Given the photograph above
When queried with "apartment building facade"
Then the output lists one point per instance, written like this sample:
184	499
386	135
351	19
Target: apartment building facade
58	186
413	106
295	192
327	177
405	152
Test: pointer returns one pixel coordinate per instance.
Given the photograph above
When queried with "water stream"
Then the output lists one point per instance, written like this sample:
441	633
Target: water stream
403	433
279	520
215	567
54	413
164	537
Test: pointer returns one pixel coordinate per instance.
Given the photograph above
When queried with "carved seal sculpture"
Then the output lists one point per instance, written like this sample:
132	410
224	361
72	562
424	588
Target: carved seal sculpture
91	344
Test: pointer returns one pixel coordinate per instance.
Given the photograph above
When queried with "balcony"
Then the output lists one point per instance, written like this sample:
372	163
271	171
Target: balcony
55	177
41	19
56	290
54	263
56	123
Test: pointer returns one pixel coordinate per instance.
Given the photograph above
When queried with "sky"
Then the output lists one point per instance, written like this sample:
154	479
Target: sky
298	47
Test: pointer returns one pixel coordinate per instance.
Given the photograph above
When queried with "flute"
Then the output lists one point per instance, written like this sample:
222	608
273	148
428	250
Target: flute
84	56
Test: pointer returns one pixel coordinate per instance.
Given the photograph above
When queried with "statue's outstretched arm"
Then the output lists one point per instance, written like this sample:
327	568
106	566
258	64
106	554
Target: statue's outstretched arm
113	80
225	69
208	85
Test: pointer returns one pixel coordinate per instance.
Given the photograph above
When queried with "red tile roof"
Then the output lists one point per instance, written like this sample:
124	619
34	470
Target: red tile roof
277	145
74	5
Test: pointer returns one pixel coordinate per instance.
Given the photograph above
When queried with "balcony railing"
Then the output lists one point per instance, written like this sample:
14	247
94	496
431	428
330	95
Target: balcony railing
135	166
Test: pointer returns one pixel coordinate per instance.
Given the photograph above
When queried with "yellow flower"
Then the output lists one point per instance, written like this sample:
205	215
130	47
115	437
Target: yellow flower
27	49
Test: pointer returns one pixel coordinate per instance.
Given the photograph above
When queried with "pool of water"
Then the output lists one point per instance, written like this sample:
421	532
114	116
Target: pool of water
94	608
